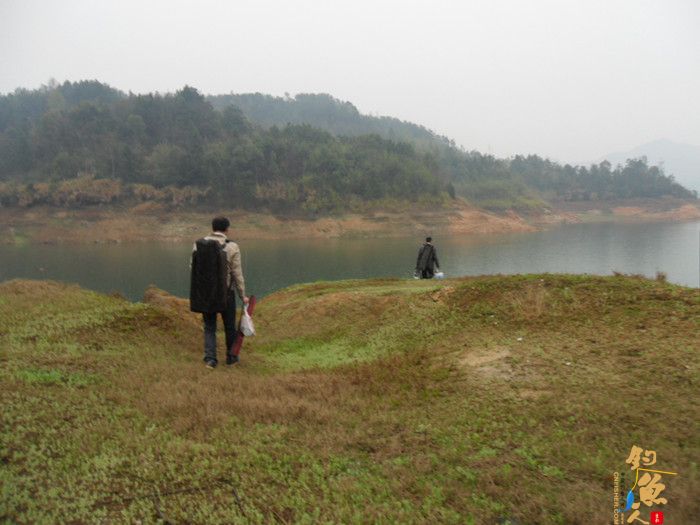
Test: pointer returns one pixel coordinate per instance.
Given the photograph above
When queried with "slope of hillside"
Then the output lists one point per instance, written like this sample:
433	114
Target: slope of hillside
327	113
476	400
680	160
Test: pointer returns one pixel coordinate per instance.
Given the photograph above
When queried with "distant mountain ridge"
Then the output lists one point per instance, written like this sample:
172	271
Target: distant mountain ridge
680	160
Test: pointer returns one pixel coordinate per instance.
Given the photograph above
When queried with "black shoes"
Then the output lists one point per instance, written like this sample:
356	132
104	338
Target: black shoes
230	361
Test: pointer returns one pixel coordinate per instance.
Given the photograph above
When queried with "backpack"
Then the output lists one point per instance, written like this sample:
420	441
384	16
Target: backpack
208	288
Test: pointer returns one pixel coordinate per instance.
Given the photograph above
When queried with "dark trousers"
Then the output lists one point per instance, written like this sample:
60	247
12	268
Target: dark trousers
428	273
229	318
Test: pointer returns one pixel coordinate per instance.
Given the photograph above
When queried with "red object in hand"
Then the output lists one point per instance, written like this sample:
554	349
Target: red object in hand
238	343
656	517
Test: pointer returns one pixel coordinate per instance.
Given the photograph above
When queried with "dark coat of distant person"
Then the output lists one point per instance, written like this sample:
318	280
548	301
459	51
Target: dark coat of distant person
427	262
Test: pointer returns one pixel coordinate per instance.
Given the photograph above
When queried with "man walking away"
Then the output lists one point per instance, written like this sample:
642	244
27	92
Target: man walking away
427	261
216	276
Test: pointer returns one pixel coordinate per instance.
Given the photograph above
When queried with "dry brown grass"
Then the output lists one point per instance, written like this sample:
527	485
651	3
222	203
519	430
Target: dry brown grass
176	308
529	302
200	401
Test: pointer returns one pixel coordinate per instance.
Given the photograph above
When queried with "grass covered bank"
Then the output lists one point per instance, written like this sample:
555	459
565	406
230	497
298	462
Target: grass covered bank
462	401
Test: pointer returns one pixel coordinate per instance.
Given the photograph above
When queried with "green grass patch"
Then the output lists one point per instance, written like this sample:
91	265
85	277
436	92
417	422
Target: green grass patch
295	354
57	377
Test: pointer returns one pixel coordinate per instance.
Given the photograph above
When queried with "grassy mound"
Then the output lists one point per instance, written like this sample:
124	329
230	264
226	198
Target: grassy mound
478	400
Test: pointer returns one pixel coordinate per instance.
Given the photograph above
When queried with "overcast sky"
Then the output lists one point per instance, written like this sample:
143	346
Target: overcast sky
572	80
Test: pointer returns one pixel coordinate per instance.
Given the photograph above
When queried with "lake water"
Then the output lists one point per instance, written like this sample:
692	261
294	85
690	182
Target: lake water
129	268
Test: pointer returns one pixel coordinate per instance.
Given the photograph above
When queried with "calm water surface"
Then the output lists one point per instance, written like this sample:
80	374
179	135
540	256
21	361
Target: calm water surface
270	265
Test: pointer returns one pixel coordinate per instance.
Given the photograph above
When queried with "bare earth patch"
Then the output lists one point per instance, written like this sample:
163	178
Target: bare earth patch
686	212
489	362
529	393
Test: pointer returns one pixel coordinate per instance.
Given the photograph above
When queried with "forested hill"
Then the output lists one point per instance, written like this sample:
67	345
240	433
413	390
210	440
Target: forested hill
85	143
327	113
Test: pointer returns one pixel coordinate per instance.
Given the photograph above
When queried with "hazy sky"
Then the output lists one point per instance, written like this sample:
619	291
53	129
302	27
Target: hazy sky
572	80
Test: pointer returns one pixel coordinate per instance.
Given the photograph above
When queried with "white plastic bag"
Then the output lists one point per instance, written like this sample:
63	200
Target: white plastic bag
247	326
439	275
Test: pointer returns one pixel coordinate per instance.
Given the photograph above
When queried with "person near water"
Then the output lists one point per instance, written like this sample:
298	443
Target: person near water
427	262
234	283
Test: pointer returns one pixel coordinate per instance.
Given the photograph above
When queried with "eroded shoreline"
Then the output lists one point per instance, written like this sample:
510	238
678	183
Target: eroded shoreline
113	225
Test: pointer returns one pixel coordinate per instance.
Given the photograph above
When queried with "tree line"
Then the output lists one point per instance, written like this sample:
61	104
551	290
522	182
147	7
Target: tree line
85	143
338	117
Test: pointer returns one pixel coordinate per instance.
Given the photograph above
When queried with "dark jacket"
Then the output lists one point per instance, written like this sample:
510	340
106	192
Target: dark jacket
427	258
